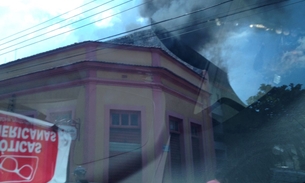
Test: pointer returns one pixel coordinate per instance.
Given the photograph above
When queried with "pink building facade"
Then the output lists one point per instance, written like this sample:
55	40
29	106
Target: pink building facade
140	114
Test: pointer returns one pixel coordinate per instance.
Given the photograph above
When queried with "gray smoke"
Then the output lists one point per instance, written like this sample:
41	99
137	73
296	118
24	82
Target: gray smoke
189	28
208	31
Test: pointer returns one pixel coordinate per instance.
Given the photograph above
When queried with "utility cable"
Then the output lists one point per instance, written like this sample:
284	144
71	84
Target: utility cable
47	21
43	28
145	143
146	27
65	26
166	20
133	30
111	36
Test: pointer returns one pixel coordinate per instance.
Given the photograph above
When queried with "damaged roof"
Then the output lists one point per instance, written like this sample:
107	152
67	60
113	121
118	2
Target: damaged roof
148	38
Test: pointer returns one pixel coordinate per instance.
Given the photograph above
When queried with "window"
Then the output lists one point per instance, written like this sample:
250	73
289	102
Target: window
29	113
176	149
197	151
61	117
125	118
125	146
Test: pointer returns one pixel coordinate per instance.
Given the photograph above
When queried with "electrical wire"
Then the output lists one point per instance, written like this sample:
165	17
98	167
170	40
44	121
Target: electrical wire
219	17
43	28
66	26
187	14
166	20
133	30
145	37
46	21
143	26
94	51
52	23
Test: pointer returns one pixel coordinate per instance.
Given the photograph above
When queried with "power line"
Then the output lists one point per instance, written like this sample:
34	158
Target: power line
144	144
166	20
219	17
162	38
47	21
133	30
120	33
63	27
54	24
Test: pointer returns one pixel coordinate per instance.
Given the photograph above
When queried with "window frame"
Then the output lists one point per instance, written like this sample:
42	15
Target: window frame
129	112
60	110
180	119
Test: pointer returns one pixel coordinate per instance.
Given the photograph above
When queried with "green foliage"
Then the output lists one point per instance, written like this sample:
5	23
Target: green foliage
275	117
271	102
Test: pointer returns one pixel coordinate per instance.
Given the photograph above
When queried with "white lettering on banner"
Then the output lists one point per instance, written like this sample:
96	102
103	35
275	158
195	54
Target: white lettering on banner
38	148
20	146
39	135
13	132
11	147
26	133
33	133
5	131
3	145
53	137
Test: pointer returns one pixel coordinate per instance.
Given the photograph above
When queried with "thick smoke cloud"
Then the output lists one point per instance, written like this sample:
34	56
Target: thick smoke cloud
159	10
216	32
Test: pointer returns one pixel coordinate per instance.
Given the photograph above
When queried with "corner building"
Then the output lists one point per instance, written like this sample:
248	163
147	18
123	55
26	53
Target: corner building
141	114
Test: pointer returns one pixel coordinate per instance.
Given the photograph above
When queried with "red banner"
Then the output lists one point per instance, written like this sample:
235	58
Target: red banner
29	151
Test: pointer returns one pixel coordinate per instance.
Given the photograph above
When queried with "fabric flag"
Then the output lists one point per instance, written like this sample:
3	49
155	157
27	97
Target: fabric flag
32	150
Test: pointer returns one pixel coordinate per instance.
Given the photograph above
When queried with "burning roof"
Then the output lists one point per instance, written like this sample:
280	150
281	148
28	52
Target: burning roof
148	38
175	48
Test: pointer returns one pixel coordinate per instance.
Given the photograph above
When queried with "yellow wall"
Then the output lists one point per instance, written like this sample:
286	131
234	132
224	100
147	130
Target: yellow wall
42	63
124	76
42	82
178	69
115	55
181	106
182	90
124	97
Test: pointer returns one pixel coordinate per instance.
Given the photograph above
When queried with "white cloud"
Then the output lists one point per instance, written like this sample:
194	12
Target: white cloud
106	18
56	29
18	15
142	21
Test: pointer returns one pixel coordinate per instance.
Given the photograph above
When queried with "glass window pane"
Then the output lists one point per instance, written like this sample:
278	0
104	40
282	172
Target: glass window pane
115	118
195	130
174	126
134	119
60	116
125	119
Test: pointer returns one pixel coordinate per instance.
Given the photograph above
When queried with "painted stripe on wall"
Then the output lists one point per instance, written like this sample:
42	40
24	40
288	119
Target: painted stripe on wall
90	123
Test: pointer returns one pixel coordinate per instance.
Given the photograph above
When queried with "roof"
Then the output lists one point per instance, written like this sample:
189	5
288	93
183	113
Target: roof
144	39
148	38
160	38
49	52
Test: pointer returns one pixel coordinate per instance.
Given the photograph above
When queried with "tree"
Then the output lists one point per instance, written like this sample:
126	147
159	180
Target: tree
269	133
271	102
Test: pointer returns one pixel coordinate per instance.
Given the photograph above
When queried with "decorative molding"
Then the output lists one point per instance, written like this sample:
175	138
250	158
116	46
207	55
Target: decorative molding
89	124
91	69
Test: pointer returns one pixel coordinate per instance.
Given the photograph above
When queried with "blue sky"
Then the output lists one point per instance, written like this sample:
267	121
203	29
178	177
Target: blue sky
18	15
